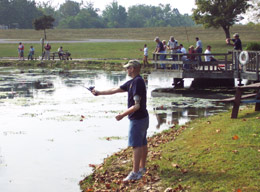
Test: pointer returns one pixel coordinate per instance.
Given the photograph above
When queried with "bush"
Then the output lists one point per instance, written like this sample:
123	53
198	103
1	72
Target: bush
253	46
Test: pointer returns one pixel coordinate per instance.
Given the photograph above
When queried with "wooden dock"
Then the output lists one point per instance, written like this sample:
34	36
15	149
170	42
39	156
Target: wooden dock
226	66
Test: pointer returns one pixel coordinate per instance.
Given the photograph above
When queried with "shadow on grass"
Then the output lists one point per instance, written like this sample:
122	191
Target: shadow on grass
190	177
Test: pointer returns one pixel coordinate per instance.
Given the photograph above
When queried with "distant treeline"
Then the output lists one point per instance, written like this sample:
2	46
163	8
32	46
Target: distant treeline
71	14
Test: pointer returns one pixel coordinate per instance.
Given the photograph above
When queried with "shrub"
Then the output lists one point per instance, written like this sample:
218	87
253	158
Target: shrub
253	46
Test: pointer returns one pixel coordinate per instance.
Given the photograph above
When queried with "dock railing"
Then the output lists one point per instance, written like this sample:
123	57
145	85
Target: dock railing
181	61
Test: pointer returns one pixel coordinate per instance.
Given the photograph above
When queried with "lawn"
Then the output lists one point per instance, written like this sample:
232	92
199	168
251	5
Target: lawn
130	50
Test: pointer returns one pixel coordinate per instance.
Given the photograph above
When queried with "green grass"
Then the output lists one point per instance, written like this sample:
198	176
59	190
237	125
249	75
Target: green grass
216	162
129	50
208	159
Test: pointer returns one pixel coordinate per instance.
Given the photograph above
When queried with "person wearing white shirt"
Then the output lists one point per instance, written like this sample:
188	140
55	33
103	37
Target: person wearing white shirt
145	58
183	50
209	57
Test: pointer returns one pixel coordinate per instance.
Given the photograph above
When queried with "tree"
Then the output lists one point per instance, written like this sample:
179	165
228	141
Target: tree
20	12
219	13
86	18
43	23
69	8
115	15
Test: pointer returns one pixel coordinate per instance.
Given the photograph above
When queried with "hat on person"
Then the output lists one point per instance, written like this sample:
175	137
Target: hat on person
156	38
132	63
236	35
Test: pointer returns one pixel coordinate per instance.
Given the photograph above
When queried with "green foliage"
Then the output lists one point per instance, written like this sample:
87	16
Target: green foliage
156	16
72	14
43	23
69	8
219	13
254	46
18	13
115	15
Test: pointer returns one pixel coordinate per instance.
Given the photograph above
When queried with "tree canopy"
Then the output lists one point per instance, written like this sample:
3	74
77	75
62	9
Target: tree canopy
219	13
18	13
72	14
43	23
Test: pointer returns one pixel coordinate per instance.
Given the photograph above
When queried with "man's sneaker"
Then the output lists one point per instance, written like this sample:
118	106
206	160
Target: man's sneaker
133	176
142	171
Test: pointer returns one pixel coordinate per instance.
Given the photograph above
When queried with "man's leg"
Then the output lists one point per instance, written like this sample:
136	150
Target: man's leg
143	156
137	155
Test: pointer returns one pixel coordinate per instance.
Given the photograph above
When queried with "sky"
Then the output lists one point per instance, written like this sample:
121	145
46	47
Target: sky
184	6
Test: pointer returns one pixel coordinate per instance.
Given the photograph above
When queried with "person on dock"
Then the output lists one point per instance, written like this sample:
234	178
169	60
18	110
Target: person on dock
137	114
183	50
209	57
159	49
172	46
21	51
198	47
236	42
31	53
192	57
145	58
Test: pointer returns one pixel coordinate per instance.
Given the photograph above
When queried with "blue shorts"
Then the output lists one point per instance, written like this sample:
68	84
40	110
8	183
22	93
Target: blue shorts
137	132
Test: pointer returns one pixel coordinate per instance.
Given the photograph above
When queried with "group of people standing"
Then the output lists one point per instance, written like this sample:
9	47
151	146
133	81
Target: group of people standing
46	53
31	53
173	47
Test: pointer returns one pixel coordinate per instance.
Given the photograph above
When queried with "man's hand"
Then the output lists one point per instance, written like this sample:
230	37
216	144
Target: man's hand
94	92
119	117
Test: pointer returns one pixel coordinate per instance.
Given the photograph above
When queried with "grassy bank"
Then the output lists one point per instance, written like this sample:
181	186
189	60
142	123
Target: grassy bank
111	65
208	154
186	36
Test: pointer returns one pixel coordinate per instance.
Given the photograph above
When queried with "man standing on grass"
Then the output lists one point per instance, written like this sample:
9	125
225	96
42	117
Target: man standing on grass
47	49
137	114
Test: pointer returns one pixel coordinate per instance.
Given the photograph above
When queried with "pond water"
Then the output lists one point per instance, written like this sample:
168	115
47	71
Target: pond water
52	127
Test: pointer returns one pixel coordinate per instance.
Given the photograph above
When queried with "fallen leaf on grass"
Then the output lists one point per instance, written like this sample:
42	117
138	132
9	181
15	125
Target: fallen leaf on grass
168	190
239	190
244	120
235	151
175	165
184	171
235	137
258	150
218	131
108	186
257	117
88	190
208	122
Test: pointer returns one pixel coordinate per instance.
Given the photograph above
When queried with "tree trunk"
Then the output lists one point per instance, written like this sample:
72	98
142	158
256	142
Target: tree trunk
227	32
45	35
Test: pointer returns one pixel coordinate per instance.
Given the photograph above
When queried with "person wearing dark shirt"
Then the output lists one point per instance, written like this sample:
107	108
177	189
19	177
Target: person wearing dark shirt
159	48
236	42
137	114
